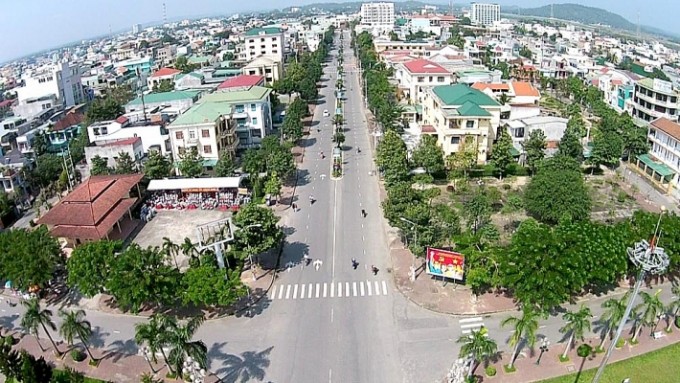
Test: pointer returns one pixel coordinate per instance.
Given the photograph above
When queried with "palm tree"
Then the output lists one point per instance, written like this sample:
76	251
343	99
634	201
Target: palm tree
504	98
649	310
577	324
35	317
181	345
614	310
153	334
477	345
525	328
190	250
74	325
673	307
170	249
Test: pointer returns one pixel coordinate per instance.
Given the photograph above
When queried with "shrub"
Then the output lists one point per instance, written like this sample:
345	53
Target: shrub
77	355
677	321
622	196
490	371
620	343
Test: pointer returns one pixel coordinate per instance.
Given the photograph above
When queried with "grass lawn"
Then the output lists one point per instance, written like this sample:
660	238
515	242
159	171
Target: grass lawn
658	366
56	372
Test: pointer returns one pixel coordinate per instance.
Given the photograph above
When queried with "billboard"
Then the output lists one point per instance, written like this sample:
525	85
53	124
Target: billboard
444	263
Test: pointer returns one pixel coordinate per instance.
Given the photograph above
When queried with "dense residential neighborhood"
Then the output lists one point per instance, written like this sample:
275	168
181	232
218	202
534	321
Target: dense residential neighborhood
350	192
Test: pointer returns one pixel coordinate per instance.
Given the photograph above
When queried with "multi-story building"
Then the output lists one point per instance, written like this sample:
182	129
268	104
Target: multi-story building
209	127
251	110
136	28
153	134
166	54
61	80
662	164
181	100
110	150
416	76
377	14
460	115
654	98
267	41
264	66
485	14
167	74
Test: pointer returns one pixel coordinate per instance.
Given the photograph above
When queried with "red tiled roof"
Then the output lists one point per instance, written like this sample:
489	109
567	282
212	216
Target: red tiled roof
482	86
428	129
68	121
164	72
595	82
241	81
667	126
91	210
425	66
122	119
123	141
523	88
616	81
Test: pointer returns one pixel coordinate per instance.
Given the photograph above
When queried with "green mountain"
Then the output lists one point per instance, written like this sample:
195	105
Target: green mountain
578	13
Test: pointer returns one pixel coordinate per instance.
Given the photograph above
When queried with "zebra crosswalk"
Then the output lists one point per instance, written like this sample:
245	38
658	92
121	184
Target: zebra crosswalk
328	290
468	325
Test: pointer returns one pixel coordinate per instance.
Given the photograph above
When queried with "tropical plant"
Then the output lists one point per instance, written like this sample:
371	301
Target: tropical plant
612	316
179	340
673	307
525	327
73	326
34	318
649	310
578	323
478	346
171	250
153	335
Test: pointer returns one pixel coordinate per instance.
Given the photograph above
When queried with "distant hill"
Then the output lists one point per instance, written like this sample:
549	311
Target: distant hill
355	6
578	13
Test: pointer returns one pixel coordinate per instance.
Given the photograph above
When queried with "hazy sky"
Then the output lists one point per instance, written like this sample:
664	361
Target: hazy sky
28	26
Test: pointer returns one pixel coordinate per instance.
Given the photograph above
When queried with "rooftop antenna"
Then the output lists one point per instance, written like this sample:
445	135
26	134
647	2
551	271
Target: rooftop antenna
165	15
638	24
451	7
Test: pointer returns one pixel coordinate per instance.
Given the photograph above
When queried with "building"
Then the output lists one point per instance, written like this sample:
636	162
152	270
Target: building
136	28
110	150
662	164
167	74
654	98
552	127
33	106
485	14
458	113
65	130
251	112
99	208
378	15
267	41
264	66
153	134
517	92
208	127
165	54
181	100
61	80
191	80
144	65
418	75
241	82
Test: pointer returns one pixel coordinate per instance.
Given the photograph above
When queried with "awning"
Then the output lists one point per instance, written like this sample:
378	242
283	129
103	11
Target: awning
195	183
658	167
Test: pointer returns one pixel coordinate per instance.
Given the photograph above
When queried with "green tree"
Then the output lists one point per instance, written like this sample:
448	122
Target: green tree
191	163
163	86
36	317
477	211
292	127
534	148
179	340
650	309
525	52
634	141
34	370
308	90
182	64
504	98
558	191
209	285
577	324
501	156
154	335
29	257
125	164
157	166
465	21
273	185
525	328
339	138
607	150
465	157
99	166
39	144
611	317
570	144
479	346
429	155
104	109
89	265
225	166
391	158
74	325
673	308
258	230
456	40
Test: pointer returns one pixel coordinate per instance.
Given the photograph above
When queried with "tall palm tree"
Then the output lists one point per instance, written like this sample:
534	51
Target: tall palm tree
34	318
673	307
73	326
504	98
153	334
479	346
649	310
190	250
612	316
577	324
525	329
170	249
181	343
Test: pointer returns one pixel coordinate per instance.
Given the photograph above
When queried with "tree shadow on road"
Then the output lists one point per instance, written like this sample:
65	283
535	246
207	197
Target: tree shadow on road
249	366
259	301
293	254
120	348
7	323
97	338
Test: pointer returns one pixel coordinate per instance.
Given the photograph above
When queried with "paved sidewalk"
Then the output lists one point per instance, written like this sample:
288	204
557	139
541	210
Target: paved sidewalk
528	371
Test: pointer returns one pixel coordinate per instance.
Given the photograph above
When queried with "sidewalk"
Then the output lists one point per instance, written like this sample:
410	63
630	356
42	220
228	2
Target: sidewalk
528	371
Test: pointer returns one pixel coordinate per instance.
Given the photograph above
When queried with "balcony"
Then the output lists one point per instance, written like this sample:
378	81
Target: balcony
653	100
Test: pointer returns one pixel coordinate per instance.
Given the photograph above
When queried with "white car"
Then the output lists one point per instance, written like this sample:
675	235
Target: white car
325	113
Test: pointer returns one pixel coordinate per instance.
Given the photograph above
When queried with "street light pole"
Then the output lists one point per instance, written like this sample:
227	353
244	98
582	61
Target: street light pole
415	240
649	259
544	348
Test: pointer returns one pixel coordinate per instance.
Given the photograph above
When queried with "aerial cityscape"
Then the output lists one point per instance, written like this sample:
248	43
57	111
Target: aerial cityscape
342	192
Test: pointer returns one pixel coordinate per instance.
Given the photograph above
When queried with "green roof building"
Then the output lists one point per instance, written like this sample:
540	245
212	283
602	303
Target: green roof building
264	31
181	100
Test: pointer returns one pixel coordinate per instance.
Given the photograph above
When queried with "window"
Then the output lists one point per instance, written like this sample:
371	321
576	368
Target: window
430	79
470	124
207	149
251	40
180	150
421	79
275	51
253	107
455	140
192	134
254	121
262	39
440	79
240	108
205	133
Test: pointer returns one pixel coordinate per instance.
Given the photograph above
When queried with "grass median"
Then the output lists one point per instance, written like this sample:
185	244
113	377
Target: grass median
658	366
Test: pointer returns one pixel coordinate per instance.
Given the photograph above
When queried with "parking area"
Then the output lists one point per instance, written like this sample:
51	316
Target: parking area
176	225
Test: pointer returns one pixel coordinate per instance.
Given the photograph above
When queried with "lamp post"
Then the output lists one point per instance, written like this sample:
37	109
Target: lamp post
415	240
543	348
649	259
193	369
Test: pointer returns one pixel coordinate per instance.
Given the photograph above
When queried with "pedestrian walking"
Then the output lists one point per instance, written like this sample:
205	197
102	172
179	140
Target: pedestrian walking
363	213
295	208
374	269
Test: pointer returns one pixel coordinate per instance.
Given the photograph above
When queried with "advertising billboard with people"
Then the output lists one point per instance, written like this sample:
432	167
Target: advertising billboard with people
444	263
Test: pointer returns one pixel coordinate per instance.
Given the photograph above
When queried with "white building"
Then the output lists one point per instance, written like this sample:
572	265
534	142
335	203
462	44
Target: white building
662	164
110	150
654	98
61	80
251	111
485	14
154	135
416	76
136	28
266	41
377	14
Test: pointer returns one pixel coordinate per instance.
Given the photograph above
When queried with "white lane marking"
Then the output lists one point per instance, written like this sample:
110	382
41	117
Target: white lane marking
288	292
384	286
335	225
339	289
347	289
368	284
281	292
274	292
332	289
302	291
330	375
295	289
331	315
468	320
471	325
317	289
325	289
309	291
361	288
354	288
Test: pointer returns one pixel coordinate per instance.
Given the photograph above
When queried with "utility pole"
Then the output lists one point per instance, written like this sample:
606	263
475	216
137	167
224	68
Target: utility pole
165	15
67	164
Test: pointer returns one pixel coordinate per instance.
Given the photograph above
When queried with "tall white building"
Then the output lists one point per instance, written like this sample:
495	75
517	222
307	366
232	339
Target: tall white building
485	14
136	28
61	80
377	14
266	41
